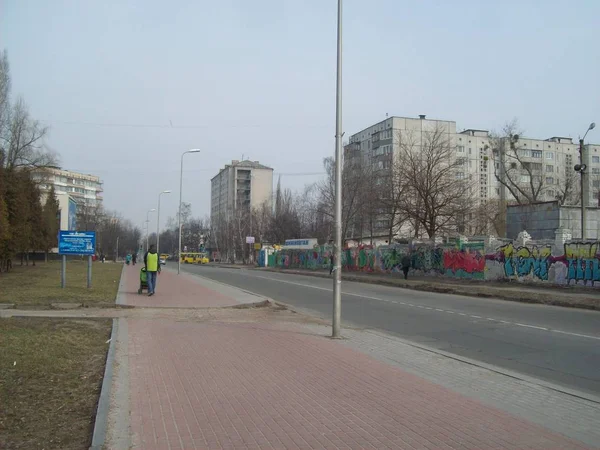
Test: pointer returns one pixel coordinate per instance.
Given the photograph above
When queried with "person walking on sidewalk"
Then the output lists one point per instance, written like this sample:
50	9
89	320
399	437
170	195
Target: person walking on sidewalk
405	265
134	257
331	264
152	268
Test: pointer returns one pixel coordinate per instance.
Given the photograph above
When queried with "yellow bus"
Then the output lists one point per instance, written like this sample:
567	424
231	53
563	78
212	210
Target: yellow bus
194	258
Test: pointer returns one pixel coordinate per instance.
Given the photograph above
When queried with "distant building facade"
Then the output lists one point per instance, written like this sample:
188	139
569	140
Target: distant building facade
241	184
551	159
85	189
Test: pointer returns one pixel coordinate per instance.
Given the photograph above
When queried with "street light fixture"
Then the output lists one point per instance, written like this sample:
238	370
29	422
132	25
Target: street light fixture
158	223
581	168
194	150
148	226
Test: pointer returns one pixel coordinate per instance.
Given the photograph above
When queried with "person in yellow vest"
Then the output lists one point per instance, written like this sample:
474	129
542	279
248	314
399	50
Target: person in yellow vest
152	268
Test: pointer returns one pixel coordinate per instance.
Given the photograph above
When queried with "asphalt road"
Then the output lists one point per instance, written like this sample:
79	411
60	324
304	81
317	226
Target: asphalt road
559	345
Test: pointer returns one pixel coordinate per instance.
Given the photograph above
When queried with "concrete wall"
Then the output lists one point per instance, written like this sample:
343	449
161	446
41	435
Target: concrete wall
569	263
541	220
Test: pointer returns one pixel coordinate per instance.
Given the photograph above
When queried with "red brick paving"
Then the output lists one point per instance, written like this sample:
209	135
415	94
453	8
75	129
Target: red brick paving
172	291
213	385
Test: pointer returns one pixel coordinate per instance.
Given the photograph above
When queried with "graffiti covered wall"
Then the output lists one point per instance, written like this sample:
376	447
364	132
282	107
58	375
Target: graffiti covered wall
577	263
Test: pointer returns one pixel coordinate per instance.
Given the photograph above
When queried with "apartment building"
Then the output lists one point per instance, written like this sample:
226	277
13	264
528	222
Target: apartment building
85	189
550	160
240	184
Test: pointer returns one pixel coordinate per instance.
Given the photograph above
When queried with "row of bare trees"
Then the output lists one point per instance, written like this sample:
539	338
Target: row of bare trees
25	224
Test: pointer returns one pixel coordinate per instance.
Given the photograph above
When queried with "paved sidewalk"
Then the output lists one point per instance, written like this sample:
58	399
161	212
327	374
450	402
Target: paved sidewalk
178	291
251	386
265	378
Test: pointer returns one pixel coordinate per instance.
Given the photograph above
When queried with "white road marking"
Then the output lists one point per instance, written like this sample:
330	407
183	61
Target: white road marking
587	336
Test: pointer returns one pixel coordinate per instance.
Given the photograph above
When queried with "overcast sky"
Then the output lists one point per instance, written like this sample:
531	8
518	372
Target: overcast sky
127	86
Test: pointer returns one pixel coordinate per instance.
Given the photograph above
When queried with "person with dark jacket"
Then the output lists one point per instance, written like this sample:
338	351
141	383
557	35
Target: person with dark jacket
152	265
406	263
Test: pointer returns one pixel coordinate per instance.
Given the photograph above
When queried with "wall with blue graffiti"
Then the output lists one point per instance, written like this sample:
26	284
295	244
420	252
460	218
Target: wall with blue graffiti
578	263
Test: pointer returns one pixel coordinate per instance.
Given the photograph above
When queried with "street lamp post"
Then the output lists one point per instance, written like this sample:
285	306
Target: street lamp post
194	150
148	226
581	168
158	223
337	275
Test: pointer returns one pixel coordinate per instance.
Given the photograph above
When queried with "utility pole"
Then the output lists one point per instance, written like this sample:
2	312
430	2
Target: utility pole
337	274
583	187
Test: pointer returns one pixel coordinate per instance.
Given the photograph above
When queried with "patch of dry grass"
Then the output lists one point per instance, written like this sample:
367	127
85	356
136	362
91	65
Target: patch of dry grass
50	379
38	286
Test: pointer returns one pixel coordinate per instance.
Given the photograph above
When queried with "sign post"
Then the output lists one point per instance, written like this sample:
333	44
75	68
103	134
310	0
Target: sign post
250	241
63	271
76	243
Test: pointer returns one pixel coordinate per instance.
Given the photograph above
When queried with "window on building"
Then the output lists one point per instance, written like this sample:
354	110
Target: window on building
596	159
549	180
595	170
525	178
551	193
596	183
524	153
460	175
549	155
549	168
536	153
460	149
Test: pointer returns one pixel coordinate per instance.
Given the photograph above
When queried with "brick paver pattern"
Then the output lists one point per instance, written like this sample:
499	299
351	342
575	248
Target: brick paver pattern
212	385
172	291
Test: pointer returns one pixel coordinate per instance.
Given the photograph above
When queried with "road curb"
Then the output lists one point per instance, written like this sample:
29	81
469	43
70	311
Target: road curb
446	289
101	422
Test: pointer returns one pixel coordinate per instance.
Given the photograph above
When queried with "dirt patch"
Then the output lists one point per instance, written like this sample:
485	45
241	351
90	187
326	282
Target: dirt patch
39	286
50	379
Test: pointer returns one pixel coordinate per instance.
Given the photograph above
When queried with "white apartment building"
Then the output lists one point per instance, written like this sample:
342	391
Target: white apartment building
83	188
240	184
554	157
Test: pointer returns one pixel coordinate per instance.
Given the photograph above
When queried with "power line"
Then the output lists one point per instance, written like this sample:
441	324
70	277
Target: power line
171	126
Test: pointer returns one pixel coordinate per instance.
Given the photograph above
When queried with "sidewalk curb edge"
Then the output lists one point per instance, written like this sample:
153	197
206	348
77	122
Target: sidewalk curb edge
101	422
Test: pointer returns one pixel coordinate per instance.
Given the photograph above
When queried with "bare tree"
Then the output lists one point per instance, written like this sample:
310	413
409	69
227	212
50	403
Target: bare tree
354	179
522	174
437	193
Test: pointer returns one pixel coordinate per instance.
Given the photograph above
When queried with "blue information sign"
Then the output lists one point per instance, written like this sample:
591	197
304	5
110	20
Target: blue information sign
77	242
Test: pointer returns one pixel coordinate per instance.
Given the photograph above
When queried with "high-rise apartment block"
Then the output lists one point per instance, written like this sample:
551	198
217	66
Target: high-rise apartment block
552	160
241	184
85	189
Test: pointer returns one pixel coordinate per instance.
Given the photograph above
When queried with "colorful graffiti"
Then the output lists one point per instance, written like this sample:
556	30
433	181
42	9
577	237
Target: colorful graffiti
465	261
579	263
527	261
583	262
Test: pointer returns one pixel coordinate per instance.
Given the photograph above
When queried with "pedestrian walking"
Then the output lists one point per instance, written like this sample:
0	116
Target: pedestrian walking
134	257
152	268
331	264
406	263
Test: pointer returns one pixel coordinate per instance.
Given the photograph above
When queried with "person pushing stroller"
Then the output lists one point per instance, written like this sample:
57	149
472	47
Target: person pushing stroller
152	268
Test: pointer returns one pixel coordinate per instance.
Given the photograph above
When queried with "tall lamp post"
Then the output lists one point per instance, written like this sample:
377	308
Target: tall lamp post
581	168
158	223
194	150
148	226
337	275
